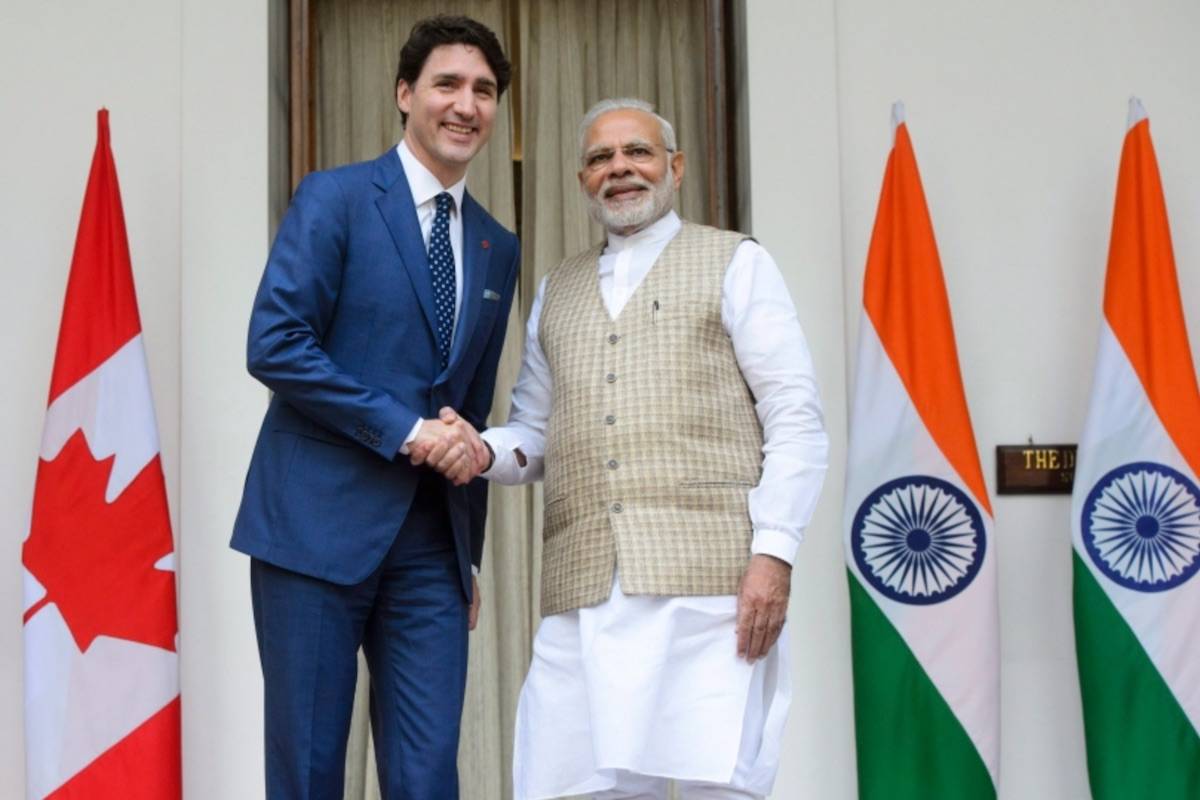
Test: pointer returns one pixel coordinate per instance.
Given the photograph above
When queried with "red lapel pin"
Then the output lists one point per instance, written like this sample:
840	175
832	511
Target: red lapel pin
486	244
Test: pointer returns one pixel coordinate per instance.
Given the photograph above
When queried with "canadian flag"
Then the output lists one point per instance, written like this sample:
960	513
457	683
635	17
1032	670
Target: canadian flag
101	663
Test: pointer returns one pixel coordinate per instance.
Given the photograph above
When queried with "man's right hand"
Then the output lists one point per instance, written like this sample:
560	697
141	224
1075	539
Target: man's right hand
762	605
450	445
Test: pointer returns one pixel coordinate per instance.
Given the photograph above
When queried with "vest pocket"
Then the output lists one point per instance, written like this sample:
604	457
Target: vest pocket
697	484
556	516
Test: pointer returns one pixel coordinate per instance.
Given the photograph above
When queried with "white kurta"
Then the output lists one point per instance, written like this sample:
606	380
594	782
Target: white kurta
653	685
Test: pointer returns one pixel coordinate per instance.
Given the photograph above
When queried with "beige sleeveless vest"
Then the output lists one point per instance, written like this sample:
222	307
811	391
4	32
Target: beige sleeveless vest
653	443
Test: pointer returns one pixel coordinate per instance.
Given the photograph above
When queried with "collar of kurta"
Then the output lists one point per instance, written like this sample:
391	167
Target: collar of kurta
660	231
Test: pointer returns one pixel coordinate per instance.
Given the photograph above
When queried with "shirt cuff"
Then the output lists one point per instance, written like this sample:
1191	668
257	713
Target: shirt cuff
778	544
475	570
505	467
411	436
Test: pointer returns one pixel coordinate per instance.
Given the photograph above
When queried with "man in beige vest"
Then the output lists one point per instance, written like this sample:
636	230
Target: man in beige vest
667	399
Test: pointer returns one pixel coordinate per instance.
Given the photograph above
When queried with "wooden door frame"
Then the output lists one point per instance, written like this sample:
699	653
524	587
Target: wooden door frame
722	189
302	138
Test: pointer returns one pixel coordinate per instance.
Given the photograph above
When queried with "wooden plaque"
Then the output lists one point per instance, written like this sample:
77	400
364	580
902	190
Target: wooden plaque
1035	468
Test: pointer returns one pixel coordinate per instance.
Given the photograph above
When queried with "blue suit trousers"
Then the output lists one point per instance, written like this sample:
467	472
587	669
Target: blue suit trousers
410	618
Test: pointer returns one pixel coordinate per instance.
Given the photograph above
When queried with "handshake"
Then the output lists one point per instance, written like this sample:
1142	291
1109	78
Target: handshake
452	446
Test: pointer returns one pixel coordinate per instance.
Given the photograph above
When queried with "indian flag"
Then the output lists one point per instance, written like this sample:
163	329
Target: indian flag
1135	513
918	525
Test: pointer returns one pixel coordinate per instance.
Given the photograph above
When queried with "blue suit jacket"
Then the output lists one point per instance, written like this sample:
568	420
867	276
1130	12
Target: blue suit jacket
343	333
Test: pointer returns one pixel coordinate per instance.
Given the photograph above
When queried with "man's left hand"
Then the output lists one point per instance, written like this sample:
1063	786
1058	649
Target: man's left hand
476	600
762	605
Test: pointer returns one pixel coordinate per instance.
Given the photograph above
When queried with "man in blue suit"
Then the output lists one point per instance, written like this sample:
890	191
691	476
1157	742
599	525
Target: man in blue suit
385	299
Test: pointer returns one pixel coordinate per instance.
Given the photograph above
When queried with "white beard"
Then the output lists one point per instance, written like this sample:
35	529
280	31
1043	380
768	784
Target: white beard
629	216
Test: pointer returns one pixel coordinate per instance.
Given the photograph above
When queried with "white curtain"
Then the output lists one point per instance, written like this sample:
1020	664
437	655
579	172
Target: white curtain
577	52
358	46
568	54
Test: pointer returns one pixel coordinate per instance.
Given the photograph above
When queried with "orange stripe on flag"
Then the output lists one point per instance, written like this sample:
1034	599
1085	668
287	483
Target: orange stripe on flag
145	765
1141	295
905	297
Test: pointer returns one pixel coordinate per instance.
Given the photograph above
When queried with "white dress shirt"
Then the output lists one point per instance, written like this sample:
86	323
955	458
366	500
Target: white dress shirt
425	188
771	351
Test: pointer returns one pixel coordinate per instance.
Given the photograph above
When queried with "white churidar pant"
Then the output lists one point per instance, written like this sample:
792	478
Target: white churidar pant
650	686
639	787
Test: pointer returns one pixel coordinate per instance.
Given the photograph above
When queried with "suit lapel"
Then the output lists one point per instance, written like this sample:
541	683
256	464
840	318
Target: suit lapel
475	257
400	217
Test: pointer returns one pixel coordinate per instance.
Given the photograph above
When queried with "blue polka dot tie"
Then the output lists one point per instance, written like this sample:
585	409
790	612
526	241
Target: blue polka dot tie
441	265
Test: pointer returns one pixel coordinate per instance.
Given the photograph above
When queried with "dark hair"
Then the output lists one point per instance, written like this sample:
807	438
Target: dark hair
444	29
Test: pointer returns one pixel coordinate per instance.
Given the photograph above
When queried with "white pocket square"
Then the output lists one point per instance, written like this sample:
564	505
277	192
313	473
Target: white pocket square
488	294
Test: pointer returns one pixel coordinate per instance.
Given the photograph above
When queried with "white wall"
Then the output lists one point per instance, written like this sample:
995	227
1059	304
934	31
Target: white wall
186	85
794	203
224	239
59	64
1017	113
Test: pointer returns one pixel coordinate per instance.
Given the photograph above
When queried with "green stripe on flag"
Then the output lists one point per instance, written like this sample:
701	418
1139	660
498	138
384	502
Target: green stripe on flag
1139	741
910	744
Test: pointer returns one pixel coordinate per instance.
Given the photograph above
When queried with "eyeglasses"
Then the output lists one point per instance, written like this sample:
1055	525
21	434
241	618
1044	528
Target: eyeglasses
638	153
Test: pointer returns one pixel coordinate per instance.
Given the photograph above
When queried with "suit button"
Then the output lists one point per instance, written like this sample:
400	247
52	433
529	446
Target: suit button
613	338
610	420
617	508
611	377
612	463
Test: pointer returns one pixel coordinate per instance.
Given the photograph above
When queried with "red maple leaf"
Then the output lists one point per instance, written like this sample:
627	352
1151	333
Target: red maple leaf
96	559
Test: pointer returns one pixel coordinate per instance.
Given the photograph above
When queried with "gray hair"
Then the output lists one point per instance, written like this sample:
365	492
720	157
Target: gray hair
624	104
